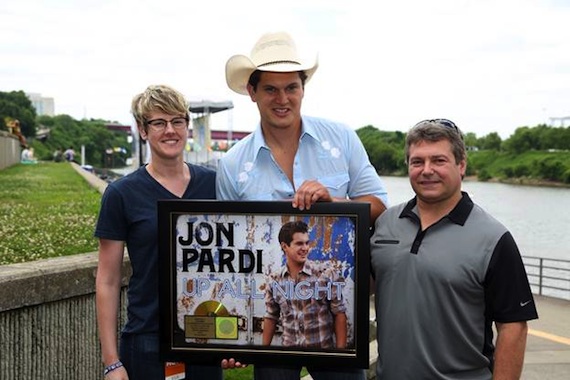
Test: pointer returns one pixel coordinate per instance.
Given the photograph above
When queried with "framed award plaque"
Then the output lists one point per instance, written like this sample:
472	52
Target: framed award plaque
263	282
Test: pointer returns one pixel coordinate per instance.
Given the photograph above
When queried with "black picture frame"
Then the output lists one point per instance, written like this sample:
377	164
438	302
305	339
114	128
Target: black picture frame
215	258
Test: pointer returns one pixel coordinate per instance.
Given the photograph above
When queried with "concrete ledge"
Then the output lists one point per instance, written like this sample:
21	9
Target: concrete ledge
91	178
9	149
49	280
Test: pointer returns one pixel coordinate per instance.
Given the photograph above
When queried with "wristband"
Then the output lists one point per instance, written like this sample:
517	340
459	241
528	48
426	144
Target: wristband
112	367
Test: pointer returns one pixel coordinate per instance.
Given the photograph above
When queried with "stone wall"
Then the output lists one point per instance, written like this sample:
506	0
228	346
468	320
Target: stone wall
48	324
9	150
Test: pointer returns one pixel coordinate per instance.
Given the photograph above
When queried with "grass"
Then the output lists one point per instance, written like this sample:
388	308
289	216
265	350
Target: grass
247	373
239	374
46	210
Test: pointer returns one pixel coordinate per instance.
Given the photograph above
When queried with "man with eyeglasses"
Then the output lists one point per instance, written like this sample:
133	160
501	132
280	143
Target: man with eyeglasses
128	217
445	270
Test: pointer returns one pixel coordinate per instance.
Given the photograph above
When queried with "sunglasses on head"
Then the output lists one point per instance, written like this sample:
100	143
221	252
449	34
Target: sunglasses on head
444	122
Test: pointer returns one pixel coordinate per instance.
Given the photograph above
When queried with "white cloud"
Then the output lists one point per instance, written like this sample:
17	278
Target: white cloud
488	65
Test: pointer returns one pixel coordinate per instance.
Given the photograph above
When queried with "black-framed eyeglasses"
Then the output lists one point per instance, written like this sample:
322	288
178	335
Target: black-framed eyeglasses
159	125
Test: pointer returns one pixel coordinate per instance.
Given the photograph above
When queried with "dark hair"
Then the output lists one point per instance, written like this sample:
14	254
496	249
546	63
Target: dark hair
290	228
431	130
255	77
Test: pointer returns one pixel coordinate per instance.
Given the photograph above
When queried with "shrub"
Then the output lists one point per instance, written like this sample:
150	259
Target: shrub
483	175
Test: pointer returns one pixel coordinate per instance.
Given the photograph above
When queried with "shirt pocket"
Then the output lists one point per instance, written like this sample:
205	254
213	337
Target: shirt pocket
337	184
386	241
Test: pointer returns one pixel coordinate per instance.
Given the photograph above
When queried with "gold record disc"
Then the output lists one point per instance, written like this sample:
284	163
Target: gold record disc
211	309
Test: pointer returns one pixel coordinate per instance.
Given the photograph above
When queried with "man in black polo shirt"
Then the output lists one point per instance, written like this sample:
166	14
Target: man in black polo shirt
445	270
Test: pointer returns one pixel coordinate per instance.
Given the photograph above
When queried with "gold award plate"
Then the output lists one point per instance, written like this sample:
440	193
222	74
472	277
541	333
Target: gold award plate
211	320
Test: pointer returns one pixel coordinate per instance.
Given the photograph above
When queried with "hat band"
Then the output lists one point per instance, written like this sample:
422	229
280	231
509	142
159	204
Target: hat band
279	62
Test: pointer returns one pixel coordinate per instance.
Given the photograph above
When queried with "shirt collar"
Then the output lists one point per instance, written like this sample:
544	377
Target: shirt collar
306	269
258	140
458	215
307	129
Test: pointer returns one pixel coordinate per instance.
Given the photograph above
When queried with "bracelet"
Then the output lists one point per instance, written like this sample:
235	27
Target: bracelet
112	367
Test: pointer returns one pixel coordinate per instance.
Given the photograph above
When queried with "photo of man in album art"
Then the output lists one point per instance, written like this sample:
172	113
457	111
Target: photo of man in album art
304	296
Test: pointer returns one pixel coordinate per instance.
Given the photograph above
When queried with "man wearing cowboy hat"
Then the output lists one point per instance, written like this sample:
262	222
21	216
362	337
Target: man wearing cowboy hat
290	156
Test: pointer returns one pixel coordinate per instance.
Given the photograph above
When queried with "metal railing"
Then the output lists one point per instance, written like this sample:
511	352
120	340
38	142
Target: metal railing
548	277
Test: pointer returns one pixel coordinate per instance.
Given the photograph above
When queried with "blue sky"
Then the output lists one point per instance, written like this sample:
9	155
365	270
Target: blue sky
489	65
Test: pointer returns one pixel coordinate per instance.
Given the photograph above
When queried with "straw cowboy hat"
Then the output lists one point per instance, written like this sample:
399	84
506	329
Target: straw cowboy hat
273	52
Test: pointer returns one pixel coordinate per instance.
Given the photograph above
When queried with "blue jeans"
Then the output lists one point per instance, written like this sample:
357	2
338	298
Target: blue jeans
317	373
140	356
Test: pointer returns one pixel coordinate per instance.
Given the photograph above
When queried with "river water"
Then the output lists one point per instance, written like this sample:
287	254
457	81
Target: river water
538	217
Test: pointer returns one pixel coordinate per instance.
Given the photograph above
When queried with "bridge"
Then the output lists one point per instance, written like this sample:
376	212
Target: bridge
561	121
215	135
200	108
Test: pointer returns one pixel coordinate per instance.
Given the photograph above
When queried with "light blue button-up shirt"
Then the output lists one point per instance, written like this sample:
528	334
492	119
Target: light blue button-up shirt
329	152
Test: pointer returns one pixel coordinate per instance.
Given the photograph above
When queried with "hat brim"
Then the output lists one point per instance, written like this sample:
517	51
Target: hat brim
239	68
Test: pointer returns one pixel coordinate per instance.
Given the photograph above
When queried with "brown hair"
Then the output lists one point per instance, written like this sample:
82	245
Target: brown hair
255	77
432	130
290	228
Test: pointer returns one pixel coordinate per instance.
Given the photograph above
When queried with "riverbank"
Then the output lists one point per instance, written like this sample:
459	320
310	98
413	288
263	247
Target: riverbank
511	181
521	181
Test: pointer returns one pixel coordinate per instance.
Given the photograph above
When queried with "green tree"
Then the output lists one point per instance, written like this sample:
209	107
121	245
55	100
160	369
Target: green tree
92	134
491	142
564	138
385	149
470	140
524	139
386	158
552	138
16	105
525	154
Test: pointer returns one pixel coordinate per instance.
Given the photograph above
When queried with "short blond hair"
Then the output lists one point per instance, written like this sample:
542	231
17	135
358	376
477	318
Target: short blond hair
160	98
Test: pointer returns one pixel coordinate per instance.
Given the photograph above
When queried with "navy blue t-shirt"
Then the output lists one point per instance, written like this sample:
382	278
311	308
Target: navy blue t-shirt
129	213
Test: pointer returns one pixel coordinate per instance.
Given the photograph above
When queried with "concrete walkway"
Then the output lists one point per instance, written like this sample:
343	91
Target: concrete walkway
548	344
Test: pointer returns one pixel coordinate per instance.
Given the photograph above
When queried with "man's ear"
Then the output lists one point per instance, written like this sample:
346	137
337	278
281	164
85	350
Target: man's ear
251	92
463	167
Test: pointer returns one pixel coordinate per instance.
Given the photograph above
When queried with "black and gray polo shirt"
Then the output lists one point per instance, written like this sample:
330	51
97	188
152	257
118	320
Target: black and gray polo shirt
439	290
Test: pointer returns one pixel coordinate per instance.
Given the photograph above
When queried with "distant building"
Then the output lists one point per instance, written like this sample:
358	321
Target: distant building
197	150
43	105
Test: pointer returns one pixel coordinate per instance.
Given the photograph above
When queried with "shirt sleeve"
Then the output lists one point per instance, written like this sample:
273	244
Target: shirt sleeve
111	223
337	300
364	180
508	296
